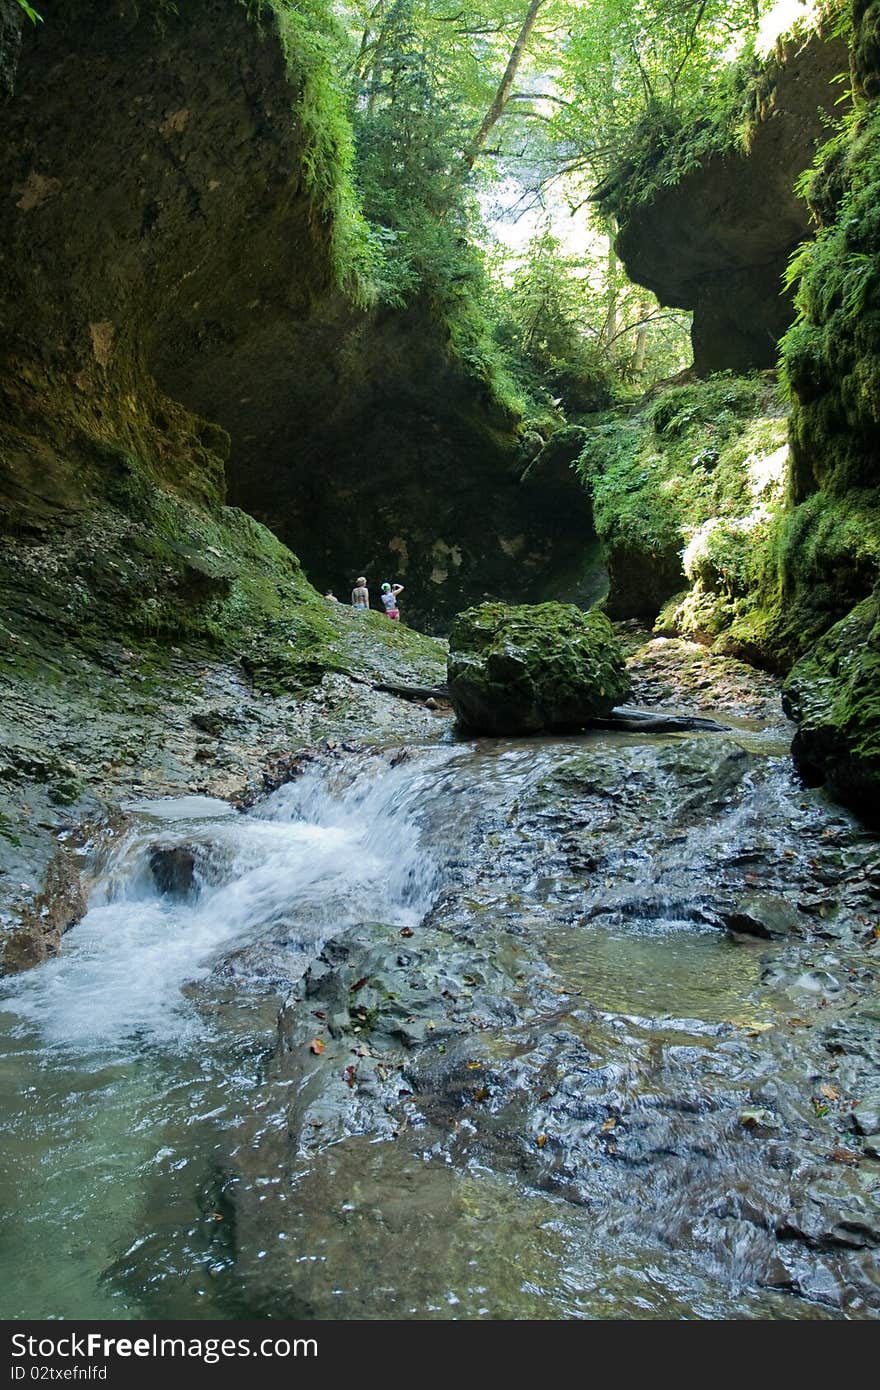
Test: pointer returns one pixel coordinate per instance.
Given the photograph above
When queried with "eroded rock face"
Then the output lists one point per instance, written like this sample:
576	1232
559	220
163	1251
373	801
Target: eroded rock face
151	197
718	242
163	245
365	445
11	18
834	694
526	668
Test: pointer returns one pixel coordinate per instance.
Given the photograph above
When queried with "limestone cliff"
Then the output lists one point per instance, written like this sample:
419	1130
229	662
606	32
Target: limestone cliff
717	238
11	17
832	360
173	230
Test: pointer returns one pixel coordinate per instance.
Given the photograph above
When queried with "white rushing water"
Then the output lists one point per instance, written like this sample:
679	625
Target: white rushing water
326	851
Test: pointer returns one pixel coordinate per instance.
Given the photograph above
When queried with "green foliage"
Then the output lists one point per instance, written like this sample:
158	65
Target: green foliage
658	474
315	43
577	331
549	322
634	76
31	12
831	356
697	473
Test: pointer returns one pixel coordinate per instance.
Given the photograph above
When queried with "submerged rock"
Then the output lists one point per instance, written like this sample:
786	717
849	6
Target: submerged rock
832	692
762	915
173	870
532	667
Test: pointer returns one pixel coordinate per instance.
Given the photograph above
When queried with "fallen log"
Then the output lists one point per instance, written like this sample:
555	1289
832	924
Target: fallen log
413	692
628	720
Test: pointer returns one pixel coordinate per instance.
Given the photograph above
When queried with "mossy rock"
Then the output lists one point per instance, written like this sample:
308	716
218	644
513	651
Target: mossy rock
519	670
834	695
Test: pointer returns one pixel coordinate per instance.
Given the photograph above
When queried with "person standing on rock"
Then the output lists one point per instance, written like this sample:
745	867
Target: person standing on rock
389	600
360	595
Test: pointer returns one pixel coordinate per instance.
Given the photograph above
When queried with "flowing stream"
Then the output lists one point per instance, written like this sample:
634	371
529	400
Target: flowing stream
574	1093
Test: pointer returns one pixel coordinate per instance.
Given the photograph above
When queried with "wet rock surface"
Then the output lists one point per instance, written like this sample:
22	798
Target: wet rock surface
569	1041
522	1067
126	724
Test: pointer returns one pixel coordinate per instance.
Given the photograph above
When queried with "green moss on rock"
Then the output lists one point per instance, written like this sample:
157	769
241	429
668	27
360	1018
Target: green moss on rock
834	694
683	490
526	668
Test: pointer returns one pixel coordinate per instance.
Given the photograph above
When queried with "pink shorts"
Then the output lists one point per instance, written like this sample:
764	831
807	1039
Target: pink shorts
393	614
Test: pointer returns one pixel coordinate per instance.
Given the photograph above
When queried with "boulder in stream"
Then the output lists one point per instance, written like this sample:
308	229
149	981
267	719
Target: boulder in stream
519	670
173	870
763	915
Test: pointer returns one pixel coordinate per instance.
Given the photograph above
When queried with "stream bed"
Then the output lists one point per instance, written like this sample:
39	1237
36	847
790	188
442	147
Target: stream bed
558	1028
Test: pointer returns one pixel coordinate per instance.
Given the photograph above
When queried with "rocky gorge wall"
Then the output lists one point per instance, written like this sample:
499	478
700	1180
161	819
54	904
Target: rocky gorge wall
182	317
775	553
177	241
141	171
717	237
831	359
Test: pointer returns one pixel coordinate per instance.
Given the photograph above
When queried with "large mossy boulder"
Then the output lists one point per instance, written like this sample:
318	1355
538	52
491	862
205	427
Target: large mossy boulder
519	670
834	695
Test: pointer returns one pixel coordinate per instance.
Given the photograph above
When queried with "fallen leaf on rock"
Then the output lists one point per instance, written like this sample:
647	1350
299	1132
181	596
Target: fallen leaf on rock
350	1075
609	1124
359	985
846	1156
481	1093
406	931
829	1092
317	1045
541	1140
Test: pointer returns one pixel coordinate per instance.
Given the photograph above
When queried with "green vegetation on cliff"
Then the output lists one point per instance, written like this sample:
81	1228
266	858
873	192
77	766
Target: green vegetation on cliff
686	488
831	355
834	694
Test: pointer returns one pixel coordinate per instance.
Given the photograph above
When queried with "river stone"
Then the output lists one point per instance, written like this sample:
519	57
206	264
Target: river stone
173	870
518	670
866	1116
762	915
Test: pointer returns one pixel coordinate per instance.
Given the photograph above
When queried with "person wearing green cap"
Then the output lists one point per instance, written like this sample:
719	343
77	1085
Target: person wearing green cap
389	600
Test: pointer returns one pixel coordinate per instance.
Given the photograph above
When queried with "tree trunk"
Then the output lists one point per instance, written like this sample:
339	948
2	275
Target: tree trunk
502	96
609	327
641	344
